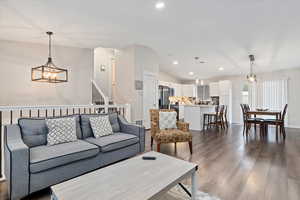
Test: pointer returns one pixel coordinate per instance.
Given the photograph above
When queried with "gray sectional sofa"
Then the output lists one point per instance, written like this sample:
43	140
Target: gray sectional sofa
31	165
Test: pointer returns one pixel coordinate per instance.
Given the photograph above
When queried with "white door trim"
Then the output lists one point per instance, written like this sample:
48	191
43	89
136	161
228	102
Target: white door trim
154	75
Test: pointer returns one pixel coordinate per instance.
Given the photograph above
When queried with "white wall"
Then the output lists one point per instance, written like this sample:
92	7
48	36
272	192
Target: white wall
131	64
293	92
16	87
103	56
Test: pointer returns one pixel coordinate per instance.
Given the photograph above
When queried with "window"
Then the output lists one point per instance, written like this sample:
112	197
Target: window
270	94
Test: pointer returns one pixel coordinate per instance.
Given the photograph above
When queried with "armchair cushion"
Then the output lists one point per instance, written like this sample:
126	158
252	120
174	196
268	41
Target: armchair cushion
114	141
46	157
172	136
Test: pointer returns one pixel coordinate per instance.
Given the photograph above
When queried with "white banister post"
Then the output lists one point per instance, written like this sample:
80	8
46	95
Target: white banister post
127	112
106	108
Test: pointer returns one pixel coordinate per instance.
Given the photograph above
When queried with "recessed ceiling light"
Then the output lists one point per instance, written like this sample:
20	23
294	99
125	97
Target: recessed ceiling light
191	73
160	5
175	62
221	68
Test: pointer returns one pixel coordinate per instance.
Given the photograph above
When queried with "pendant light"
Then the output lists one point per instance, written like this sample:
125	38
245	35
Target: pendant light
251	77
49	72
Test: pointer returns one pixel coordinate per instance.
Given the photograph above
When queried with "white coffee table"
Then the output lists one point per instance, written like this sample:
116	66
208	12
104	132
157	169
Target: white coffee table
132	179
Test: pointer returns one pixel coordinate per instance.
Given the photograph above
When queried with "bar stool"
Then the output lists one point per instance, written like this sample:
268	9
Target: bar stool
218	118
208	117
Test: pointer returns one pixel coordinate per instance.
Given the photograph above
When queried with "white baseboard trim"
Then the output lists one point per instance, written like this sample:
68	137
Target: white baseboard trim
293	126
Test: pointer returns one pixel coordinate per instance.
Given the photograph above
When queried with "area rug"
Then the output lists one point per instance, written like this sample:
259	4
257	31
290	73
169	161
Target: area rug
177	193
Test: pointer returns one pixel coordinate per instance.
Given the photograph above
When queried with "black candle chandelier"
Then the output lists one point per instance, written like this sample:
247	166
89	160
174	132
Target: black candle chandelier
49	72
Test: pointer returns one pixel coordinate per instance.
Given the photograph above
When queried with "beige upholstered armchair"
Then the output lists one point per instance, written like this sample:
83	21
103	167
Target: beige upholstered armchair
181	134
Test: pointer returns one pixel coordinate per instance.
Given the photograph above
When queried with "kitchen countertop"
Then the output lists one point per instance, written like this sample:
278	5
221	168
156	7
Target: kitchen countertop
206	106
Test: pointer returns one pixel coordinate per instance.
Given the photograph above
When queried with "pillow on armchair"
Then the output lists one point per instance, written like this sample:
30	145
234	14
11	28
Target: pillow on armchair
167	120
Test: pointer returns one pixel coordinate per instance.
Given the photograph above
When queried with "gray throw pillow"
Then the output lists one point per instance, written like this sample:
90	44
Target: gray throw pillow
101	126
61	130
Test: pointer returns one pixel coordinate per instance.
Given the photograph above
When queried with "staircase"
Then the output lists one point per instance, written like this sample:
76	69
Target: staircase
98	97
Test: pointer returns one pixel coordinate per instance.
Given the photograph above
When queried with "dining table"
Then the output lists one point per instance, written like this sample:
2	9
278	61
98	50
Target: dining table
275	113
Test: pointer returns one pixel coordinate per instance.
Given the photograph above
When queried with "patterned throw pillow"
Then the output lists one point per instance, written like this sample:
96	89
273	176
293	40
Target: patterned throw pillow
101	126
61	130
167	120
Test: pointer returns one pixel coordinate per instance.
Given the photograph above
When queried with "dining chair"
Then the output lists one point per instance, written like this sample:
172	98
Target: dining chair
278	123
249	121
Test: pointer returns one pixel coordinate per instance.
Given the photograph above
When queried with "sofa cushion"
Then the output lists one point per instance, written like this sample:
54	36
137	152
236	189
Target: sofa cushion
34	130
46	157
114	141
86	126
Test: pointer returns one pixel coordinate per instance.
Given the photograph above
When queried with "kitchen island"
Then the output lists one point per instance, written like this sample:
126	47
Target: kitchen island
193	114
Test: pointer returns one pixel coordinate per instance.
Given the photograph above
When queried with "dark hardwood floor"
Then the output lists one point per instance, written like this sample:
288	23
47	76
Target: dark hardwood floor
233	167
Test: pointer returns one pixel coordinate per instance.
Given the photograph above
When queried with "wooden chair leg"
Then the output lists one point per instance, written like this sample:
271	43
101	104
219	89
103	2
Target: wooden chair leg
283	131
151	142
226	121
247	129
204	118
191	147
158	147
223	123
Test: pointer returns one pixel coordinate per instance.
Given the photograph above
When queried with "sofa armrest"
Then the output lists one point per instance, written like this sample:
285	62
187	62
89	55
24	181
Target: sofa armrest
16	155
133	129
183	126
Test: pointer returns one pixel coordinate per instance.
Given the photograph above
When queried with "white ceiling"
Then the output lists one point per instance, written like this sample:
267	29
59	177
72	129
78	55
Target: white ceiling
220	32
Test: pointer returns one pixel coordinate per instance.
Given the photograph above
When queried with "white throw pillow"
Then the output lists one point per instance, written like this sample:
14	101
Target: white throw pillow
61	130
101	126
167	120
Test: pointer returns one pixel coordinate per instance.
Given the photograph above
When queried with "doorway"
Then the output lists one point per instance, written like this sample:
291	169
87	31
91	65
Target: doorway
149	96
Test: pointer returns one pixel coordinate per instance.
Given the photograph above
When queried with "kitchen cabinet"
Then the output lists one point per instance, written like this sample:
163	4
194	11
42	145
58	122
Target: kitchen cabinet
214	89
203	92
